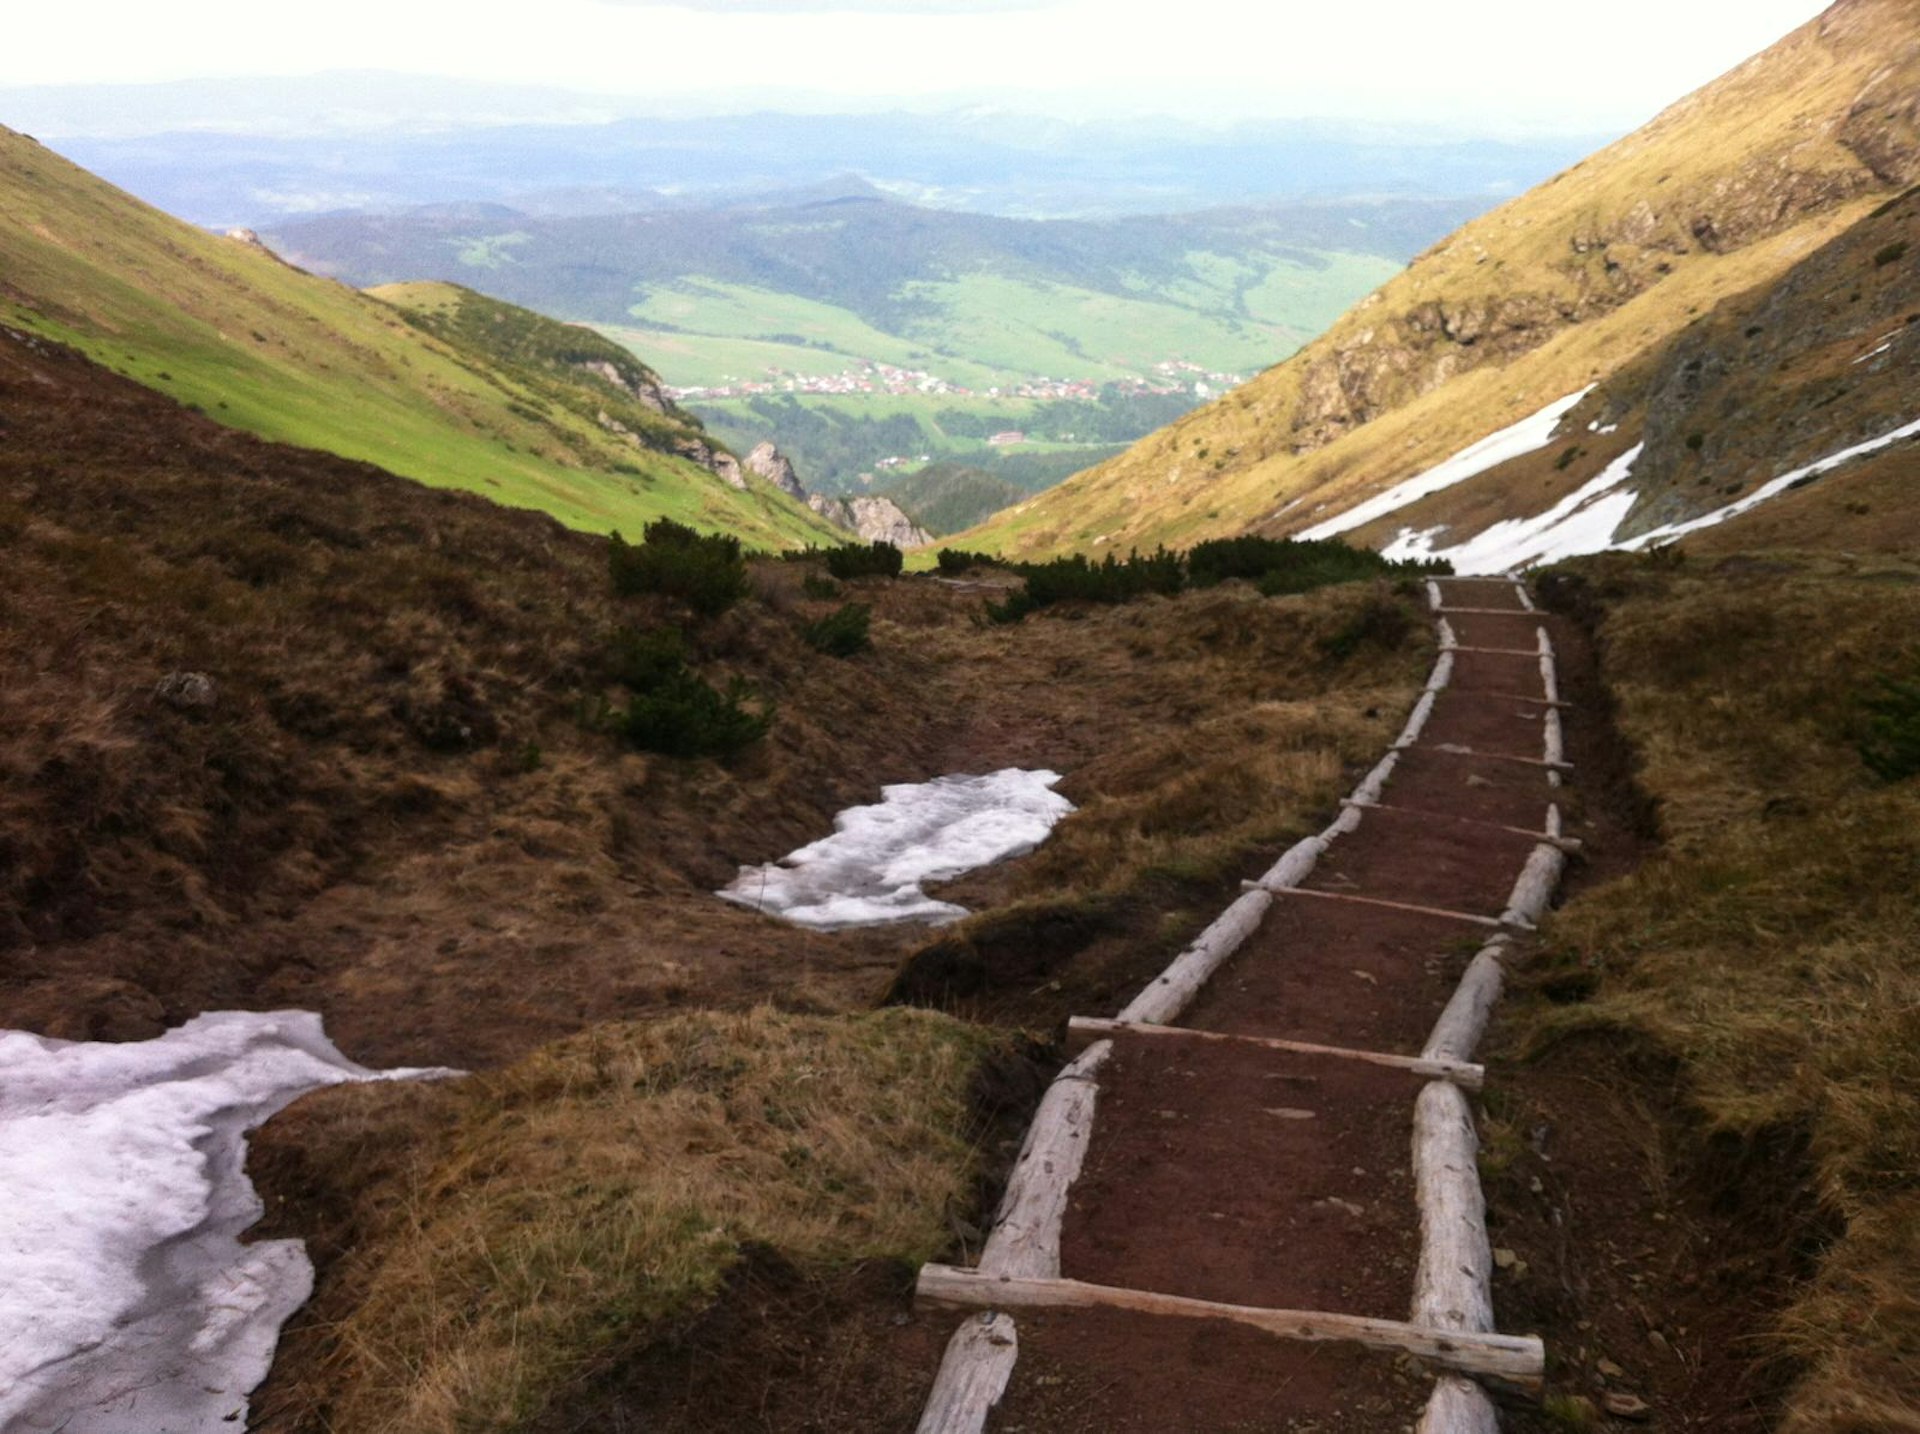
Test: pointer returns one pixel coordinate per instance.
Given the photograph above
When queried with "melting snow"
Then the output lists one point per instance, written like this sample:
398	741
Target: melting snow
1529	435
1587	520
872	869
127	1303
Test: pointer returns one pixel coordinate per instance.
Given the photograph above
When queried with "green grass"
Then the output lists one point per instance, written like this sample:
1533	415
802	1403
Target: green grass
258	345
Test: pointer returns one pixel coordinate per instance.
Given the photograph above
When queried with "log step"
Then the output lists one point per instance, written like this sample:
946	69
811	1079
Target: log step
1497	651
1518	1360
1467	916
1453	749
1485	612
1082	1031
1565	843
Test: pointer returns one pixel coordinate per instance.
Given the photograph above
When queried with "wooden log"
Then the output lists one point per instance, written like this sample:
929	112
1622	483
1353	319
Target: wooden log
1434	598
1417	720
1446	634
1516	1359
1457	1033
1520	592
1442	673
1534	888
1452	1287
1025	1238
1388	905
973	1375
1173	990
1296	863
1501	651
1459	1406
1083	1030
1549	678
1553	737
1523	697
1565	843
1486	612
1375	781
1454	749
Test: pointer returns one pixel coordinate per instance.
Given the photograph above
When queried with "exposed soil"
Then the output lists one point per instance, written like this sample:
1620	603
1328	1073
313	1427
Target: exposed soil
1092	1371
1214	1165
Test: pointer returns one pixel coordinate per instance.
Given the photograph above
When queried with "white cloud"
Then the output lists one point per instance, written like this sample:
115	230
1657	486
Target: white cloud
1501	61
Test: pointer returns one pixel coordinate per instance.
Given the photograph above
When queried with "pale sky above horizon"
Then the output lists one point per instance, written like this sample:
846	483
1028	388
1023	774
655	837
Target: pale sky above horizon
1512	63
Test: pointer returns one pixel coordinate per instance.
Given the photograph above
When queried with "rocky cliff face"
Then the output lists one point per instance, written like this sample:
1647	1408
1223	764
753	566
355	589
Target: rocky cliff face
872	520
770	463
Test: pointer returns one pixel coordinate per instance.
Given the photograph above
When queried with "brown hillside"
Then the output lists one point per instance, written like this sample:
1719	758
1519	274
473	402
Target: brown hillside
1721	193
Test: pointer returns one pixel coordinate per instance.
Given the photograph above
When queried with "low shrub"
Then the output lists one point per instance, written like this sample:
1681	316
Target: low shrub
705	571
959	560
687	716
841	633
673	710
819	586
1891	748
1381	622
865	560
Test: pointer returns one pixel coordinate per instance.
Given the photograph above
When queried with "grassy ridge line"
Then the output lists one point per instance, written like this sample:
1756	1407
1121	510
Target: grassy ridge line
1768	947
225	327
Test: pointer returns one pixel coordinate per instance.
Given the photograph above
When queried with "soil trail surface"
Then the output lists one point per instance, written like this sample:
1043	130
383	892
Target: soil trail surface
1234	1172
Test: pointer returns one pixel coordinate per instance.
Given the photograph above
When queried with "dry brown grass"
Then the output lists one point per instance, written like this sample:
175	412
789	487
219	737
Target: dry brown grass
598	1193
1770	946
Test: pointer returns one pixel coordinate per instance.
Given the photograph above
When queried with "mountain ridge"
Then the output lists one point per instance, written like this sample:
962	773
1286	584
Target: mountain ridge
1721	194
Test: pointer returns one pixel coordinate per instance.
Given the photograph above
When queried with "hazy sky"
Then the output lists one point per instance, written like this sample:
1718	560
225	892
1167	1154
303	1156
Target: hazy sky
1521	63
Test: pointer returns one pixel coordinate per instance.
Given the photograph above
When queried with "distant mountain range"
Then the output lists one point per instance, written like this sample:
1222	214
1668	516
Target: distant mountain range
225	164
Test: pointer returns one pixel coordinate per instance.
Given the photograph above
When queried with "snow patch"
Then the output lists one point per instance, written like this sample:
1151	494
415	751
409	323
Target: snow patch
1529	435
1587	520
128	1304
1582	522
871	871
1771	489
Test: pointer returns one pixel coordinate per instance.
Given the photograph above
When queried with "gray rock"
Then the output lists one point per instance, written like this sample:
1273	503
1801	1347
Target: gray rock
872	520
186	691
774	466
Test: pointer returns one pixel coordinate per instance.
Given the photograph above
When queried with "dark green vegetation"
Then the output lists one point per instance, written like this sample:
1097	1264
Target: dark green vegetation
704	571
947	497
487	402
842	632
864	560
1891	747
1276	566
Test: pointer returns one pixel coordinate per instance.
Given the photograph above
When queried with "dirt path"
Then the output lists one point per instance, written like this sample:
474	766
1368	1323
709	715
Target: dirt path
1234	1172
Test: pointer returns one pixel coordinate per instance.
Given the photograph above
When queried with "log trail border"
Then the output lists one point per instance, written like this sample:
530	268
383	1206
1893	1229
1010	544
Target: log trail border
1452	1320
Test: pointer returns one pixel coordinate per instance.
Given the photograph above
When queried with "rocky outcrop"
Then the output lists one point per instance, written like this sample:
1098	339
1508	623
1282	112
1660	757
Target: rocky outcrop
637	384
714	460
872	520
770	463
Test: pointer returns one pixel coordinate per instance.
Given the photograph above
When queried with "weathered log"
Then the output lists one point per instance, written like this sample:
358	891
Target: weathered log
1501	651
1454	749
1486	612
1459	1406
1375	781
1520	592
1516	1359
1417	720
1549	679
1082	1031
1297	863
1453	1284
1534	888
1553	737
973	1375
1025	1238
1442	673
1173	990
1389	905
1434	599
1457	1033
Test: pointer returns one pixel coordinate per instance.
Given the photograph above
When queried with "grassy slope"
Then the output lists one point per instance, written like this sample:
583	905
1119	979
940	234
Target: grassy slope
1536	300
225	327
1767	949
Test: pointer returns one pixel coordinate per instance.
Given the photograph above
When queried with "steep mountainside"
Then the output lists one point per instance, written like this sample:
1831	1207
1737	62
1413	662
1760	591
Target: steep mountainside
1578	281
222	325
